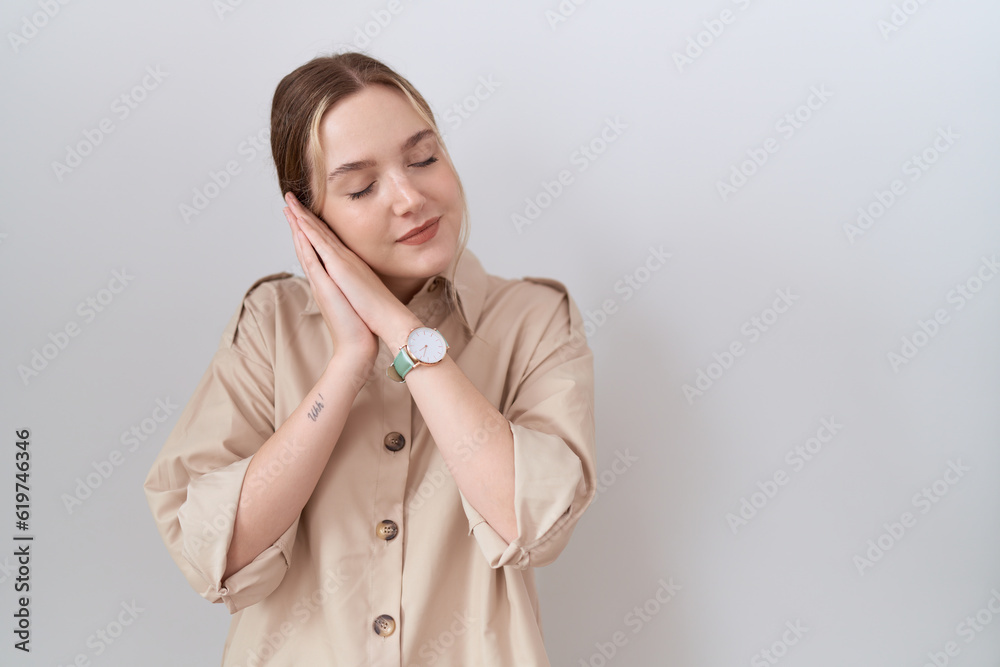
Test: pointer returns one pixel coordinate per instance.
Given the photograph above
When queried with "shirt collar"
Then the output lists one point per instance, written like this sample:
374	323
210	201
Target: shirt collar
469	286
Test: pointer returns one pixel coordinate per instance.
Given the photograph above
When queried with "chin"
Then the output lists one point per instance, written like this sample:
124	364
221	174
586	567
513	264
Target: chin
438	251
432	265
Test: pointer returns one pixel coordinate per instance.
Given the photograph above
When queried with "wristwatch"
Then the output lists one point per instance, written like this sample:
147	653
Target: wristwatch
424	346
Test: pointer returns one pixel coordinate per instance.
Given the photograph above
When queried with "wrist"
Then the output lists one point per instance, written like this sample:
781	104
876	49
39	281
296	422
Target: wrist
355	368
397	332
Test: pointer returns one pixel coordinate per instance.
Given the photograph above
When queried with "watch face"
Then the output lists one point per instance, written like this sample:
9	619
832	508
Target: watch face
426	345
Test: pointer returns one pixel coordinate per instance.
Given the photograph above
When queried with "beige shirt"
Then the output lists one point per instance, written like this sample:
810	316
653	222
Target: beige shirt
388	563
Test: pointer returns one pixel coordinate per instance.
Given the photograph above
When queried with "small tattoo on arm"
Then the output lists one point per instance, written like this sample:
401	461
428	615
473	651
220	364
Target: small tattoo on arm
315	409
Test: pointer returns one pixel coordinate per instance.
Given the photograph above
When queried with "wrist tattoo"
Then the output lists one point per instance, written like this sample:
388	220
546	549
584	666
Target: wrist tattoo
315	409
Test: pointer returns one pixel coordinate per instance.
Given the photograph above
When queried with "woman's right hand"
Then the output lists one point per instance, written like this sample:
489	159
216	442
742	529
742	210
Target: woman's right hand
352	339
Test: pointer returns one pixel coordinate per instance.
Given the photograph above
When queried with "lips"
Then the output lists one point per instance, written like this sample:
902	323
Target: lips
417	230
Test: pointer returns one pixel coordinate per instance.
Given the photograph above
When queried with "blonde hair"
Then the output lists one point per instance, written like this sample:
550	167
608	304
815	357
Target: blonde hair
300	101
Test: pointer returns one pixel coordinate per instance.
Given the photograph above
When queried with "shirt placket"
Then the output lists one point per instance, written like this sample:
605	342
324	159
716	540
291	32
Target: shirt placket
393	442
394	459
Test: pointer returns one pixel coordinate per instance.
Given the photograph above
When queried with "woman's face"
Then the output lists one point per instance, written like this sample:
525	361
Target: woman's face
386	176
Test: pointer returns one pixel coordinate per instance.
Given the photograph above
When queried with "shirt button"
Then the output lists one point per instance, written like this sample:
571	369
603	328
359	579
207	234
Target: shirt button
386	530
394	441
384	625
435	284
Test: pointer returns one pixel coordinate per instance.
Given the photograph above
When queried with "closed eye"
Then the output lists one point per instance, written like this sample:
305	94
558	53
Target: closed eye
367	191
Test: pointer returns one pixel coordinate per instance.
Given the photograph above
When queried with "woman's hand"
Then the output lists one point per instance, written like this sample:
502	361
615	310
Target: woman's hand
364	291
352	339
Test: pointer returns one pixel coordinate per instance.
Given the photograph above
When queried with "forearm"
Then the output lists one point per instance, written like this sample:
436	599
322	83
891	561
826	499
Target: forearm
283	473
474	439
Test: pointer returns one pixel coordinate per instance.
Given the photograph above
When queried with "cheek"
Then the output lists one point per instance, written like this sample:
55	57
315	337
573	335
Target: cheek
339	222
446	185
361	236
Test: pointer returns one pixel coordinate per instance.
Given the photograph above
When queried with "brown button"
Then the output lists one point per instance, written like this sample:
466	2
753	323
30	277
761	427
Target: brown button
384	625
386	530
435	284
394	441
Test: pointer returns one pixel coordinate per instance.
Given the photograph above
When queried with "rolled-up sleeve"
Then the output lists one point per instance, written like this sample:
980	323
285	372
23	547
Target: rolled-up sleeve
194	485
551	418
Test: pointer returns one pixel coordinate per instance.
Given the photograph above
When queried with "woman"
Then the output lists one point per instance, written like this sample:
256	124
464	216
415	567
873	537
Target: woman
379	454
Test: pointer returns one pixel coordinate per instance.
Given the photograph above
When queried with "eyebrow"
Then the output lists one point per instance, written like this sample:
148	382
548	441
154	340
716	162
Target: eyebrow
348	167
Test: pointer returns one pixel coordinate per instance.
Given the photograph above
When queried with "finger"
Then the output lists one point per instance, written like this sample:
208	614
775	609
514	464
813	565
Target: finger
300	211
327	253
319	232
311	262
328	295
320	238
296	238
308	219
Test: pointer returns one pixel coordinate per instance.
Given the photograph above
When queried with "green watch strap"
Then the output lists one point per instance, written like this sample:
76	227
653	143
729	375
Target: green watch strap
403	363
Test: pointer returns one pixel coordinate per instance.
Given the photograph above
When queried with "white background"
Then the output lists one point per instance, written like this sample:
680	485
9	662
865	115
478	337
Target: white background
694	458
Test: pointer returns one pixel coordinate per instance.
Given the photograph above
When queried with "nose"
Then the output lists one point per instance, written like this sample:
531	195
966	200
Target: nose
407	197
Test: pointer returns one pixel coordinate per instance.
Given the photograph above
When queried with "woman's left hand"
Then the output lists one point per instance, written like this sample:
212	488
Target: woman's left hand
368	295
